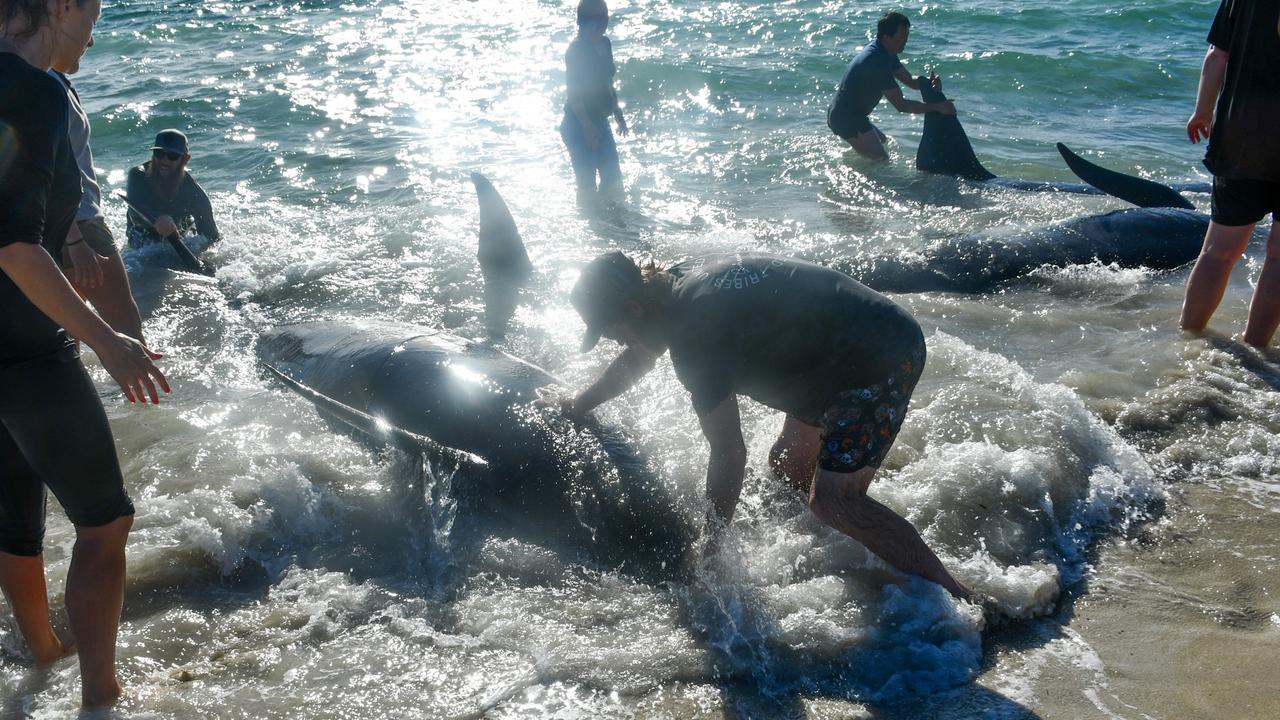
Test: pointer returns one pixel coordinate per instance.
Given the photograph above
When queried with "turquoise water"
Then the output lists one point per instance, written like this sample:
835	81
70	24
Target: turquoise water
278	569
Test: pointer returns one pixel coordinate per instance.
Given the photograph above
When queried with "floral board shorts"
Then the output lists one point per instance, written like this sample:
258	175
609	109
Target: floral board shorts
859	426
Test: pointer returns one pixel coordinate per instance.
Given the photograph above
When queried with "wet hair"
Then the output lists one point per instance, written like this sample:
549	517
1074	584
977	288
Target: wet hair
890	23
34	15
588	9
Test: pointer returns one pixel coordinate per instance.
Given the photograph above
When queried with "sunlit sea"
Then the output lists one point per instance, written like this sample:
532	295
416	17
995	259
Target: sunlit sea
1114	484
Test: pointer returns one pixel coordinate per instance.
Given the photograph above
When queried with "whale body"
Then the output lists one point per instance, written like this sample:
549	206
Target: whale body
1156	238
537	476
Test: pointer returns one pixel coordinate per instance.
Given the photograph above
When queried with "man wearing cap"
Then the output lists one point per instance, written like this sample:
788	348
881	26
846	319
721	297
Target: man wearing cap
171	199
839	358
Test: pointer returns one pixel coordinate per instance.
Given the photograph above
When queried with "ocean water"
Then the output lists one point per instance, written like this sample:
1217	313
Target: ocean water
1111	482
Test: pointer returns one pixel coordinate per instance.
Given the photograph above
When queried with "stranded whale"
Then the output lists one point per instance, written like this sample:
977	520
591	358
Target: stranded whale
526	471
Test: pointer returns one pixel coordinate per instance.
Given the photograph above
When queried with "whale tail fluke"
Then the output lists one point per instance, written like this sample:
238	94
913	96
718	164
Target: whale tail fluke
1136	190
944	147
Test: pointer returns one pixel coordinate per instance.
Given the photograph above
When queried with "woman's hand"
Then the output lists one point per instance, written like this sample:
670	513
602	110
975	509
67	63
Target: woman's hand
131	365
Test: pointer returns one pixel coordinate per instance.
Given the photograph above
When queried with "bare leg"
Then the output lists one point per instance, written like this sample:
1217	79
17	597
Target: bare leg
1223	246
869	145
840	500
1264	310
113	301
22	580
95	595
795	453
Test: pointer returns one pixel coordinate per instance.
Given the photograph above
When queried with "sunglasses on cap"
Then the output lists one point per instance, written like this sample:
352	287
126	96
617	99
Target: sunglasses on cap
167	155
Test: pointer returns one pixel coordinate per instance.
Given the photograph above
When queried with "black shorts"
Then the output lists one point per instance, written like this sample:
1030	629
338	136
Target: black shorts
1239	202
860	425
54	434
849	127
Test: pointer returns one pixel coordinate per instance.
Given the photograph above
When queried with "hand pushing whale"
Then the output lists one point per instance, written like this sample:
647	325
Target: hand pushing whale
582	489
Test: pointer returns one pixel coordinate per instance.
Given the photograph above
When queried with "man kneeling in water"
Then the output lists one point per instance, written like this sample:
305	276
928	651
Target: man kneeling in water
839	358
171	199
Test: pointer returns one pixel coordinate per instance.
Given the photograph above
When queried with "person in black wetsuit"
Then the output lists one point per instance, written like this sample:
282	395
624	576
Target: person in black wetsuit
1240	74
873	74
53	430
172	200
840	359
591	100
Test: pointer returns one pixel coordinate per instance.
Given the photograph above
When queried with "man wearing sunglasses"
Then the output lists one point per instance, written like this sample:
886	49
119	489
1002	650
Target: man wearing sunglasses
172	200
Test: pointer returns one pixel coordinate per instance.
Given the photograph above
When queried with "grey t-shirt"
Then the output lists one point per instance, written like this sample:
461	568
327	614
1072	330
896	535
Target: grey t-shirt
78	134
786	333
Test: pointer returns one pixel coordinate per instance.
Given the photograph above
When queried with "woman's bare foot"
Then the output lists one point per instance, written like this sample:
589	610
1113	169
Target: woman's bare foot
50	649
100	698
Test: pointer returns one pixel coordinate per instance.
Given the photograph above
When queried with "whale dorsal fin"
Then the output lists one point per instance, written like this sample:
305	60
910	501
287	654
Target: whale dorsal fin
501	248
1140	192
944	147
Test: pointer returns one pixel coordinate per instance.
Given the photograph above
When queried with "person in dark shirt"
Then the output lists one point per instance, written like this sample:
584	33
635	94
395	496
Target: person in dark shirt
171	199
1240	73
840	359
873	74
591	100
53	430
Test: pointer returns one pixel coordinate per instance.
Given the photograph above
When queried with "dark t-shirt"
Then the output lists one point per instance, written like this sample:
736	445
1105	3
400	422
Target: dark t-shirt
39	194
189	206
865	81
1245	142
784	332
589	71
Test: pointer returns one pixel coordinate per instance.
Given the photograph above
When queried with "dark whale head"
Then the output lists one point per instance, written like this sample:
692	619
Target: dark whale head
944	147
1140	192
538	476
504	262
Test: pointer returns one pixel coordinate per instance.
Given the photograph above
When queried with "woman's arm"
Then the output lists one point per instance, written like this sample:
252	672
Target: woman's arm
129	363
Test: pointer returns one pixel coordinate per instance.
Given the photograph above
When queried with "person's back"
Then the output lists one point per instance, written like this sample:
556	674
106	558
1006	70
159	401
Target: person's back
864	83
780	331
1244	142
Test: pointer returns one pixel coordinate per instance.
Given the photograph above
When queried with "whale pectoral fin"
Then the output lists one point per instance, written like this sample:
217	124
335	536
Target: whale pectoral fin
376	428
1136	190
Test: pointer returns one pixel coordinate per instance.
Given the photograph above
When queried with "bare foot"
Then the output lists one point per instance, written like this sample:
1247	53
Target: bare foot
100	698
50	650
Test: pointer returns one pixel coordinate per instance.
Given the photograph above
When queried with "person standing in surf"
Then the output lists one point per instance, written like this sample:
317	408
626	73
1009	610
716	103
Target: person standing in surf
840	359
92	261
590	101
53	429
1239	73
171	199
874	74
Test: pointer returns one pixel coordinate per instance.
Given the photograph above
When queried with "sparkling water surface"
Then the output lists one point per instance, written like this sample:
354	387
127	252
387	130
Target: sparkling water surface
280	569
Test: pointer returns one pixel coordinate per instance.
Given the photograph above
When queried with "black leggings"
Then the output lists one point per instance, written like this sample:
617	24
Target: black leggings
54	433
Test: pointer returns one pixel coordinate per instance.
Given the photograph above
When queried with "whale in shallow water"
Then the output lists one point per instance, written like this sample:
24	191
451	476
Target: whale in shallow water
525	471
1165	232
